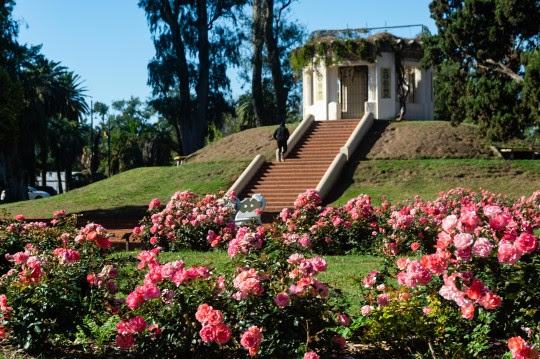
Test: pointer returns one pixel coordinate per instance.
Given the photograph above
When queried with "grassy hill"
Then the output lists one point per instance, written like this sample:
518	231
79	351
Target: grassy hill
401	179
128	193
398	160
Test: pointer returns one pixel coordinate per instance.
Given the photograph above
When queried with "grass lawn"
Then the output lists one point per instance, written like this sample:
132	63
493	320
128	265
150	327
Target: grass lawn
134	189
401	179
344	272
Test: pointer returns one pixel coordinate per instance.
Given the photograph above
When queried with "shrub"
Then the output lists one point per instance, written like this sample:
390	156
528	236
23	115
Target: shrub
44	294
188	221
483	269
328	230
268	303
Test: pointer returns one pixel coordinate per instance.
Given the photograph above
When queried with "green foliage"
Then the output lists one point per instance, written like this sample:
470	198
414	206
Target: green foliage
333	52
49	297
481	54
11	98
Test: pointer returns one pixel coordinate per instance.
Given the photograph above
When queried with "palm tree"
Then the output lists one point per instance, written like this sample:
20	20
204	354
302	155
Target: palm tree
52	91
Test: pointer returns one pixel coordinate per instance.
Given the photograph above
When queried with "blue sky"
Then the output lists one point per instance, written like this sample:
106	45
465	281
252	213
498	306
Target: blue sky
108	43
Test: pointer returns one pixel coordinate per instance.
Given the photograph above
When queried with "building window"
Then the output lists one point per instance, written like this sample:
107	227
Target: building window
320	88
410	76
386	82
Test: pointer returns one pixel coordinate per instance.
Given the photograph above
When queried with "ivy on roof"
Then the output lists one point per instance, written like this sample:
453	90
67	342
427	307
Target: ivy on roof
332	47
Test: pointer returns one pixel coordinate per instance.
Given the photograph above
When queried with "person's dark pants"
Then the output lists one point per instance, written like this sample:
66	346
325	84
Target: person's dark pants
282	147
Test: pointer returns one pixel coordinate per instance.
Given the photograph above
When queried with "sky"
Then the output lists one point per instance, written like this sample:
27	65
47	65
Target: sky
108	42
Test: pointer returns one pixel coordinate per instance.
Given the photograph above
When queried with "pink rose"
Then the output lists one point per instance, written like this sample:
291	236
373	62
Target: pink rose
124	328
499	222
124	341
154	203
467	312
468	221
526	243
134	300
507	252
366	310
383	300
344	320
222	333
311	355
138	324
415	246
463	240
426	310
207	333
19	217
282	299
449	223
482	247
215	317
251	340
490	301
203	311
521	349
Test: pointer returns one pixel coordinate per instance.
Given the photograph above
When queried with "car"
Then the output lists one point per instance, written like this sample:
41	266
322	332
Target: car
36	194
50	190
32	194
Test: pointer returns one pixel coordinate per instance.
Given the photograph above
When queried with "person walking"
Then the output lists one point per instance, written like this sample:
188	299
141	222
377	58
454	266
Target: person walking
281	135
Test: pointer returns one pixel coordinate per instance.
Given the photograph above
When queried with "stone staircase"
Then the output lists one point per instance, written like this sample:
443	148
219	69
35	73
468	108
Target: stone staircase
281	182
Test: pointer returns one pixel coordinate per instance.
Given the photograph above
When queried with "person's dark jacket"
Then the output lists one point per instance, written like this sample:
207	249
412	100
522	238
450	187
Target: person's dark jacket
281	134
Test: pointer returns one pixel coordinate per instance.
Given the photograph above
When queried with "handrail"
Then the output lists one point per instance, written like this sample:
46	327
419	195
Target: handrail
331	174
297	134
334	170
358	134
248	174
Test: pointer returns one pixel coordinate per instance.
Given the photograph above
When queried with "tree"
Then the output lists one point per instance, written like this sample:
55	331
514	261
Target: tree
480	53
184	32
11	101
101	109
271	30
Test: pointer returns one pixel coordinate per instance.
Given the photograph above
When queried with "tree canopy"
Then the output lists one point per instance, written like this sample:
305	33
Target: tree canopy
486	55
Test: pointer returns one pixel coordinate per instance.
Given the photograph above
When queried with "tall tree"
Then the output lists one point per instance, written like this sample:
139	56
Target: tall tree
11	102
182	32
273	32
257	64
481	52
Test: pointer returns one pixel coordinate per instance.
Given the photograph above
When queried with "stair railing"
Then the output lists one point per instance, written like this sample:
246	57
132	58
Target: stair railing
246	176
332	173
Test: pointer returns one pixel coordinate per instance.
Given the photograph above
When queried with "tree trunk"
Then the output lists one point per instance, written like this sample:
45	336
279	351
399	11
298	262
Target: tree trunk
186	123
271	38
59	177
43	154
257	62
201	123
69	177
94	161
13	175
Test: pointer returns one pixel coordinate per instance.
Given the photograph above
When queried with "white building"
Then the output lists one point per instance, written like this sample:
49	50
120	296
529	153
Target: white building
355	84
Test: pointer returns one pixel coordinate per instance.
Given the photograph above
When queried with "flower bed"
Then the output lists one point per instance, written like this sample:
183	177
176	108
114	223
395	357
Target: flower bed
460	276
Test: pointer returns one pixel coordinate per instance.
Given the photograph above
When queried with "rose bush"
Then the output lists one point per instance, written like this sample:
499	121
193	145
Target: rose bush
328	230
44	293
483	269
269	303
188	221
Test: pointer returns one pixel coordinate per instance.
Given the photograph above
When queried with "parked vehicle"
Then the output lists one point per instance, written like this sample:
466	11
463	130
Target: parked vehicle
32	194
50	190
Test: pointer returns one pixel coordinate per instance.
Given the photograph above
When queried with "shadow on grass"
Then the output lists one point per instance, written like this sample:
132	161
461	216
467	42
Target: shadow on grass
346	177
